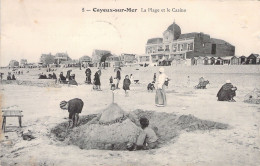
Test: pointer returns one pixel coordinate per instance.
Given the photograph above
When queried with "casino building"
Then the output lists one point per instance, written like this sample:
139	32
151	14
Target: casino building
175	47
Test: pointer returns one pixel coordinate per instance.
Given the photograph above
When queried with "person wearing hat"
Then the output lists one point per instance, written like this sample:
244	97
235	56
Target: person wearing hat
74	107
227	92
160	97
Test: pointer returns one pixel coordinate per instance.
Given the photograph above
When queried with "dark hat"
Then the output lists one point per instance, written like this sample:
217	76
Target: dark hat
63	104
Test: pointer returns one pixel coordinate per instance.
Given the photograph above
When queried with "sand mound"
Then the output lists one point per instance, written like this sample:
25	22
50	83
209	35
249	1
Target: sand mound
169	125
112	114
113	137
253	97
93	135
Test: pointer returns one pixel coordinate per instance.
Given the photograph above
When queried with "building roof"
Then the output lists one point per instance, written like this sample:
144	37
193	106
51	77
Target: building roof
227	57
61	55
155	40
219	41
100	52
255	55
175	29
188	35
85	58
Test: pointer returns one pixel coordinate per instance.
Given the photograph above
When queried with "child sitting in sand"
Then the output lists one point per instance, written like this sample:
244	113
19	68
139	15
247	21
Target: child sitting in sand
146	140
126	85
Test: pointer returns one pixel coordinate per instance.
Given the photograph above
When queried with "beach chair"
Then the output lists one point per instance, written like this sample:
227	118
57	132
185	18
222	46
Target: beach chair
11	113
202	85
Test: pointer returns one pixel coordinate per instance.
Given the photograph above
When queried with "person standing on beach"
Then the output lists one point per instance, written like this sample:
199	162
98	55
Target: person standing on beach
131	78
126	85
74	107
88	75
188	81
154	77
118	77
160	97
97	82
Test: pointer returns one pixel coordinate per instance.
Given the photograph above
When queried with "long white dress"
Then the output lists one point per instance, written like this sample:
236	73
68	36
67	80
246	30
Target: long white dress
160	97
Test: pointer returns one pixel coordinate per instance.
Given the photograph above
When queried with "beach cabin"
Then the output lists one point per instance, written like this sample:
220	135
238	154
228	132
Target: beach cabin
211	60
227	60
205	60
253	59
218	61
242	60
200	61
235	60
194	61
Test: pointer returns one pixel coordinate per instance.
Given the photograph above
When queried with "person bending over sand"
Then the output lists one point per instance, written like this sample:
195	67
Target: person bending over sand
74	107
227	92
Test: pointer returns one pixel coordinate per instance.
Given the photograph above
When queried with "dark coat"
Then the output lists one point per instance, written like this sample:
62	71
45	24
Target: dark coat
75	106
62	77
126	84
54	76
88	72
118	75
226	92
97	79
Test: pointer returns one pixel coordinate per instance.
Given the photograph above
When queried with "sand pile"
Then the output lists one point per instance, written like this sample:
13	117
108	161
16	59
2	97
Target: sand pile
253	97
169	125
114	135
109	130
112	114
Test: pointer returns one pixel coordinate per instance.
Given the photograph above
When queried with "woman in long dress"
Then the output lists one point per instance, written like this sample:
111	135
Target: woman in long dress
160	97
97	82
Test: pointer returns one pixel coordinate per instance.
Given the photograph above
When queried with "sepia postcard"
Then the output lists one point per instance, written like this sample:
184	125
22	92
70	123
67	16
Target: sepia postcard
129	83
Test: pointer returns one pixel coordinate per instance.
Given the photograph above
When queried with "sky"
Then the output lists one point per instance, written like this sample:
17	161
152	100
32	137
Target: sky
30	28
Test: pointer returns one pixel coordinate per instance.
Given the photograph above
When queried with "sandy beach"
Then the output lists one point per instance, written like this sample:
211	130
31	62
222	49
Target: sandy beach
238	145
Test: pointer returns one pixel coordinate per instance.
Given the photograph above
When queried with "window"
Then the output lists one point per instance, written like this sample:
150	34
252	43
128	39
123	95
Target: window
181	47
190	46
213	49
167	48
174	48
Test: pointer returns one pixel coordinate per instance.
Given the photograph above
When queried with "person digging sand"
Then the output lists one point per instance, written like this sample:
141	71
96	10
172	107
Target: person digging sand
74	107
227	92
146	140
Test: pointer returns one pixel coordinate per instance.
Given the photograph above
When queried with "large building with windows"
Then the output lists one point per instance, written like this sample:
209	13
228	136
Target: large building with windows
181	48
